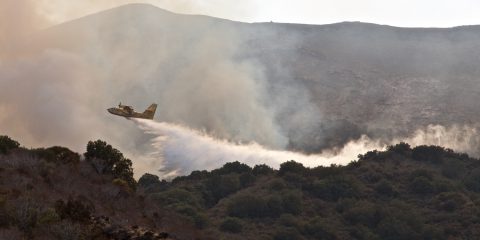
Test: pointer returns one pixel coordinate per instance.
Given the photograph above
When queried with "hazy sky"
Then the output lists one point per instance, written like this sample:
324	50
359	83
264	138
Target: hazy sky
405	13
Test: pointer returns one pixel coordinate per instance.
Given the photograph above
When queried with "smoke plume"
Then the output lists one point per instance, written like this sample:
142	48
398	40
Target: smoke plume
271	91
180	150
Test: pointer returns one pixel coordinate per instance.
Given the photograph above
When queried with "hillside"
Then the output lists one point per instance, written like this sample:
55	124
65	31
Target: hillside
52	194
426	192
285	86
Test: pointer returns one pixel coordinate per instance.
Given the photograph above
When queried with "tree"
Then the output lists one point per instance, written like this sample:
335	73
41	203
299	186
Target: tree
291	167
433	154
232	167
148	180
262	169
7	144
108	160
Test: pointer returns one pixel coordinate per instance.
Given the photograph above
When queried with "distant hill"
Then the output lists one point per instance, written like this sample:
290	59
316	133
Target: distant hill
320	85
426	192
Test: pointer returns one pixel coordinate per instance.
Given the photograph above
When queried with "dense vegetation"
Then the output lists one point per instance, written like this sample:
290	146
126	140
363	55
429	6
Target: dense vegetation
426	192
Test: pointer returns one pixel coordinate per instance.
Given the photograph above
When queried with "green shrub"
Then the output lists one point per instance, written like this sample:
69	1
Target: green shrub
450	201
277	185
48	216
453	168
253	206
292	202
330	171
399	221
334	188
232	167
24	215
363	212
108	160
401	148
421	173
221	186
291	167
288	220
262	169
77	210
198	218
246	179
57	154
385	188
123	185
150	181
247	206
319	229
175	196
432	154
67	230
232	225
7	144
421	185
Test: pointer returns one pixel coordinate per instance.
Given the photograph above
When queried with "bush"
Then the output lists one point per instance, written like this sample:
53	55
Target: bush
453	168
401	148
232	167
253	206
262	169
7	144
395	229
385	188
232	225
421	173
198	218
125	188
450	201
48	216
57	155
246	206
334	188
221	186
108	160
246	179
319	229
175	196
25	215
399	222
77	210
363	212
148	180
291	167
292	202
67	230
421	185
433	154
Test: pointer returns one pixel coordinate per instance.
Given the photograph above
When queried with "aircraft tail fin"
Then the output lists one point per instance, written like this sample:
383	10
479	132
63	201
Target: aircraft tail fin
150	112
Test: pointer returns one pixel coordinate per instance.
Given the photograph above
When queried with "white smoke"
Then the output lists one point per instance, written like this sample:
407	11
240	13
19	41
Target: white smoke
180	150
